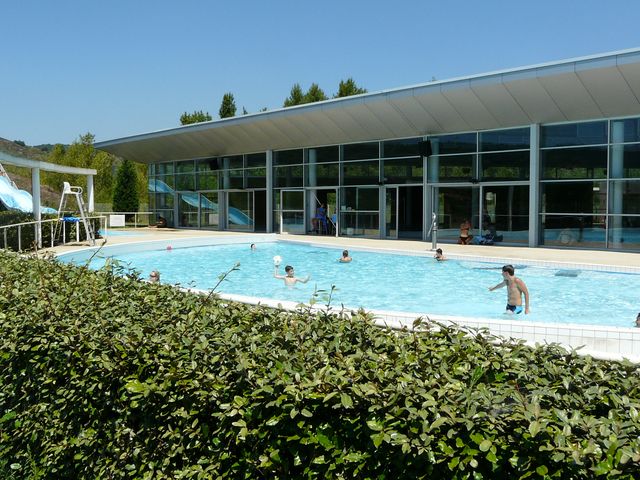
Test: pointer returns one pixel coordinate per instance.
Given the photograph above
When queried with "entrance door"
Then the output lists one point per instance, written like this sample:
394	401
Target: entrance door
240	210
329	198
292	211
410	207
391	212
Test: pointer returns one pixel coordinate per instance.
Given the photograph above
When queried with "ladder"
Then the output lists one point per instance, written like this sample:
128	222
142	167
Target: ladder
3	173
76	192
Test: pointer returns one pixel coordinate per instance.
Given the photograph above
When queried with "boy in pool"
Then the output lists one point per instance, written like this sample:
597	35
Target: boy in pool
515	289
289	279
439	256
345	257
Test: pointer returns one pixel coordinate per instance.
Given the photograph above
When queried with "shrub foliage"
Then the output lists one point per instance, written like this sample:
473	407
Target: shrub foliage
105	376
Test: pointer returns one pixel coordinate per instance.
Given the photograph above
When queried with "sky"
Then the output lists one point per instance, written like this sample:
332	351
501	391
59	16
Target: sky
122	67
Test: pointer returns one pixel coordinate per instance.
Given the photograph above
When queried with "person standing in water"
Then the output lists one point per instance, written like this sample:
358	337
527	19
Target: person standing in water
290	279
515	289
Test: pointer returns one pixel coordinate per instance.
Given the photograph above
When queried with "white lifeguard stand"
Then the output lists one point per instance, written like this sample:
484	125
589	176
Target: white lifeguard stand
68	190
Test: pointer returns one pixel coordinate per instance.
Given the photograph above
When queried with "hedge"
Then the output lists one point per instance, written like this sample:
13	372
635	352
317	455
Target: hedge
106	376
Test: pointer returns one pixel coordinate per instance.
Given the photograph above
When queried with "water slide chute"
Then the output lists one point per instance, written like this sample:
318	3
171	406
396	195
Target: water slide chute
15	199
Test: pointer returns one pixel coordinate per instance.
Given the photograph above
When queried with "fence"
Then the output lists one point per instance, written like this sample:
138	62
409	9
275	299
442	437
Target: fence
45	232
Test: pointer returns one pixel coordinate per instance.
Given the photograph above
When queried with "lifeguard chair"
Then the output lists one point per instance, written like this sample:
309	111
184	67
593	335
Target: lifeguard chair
69	190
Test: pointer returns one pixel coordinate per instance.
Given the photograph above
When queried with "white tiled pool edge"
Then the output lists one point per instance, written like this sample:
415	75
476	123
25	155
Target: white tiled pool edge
610	343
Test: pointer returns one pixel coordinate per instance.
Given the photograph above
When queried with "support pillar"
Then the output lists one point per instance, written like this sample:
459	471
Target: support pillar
269	191
35	196
534	186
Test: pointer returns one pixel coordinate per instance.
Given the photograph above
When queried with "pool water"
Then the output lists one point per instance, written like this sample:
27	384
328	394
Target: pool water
385	281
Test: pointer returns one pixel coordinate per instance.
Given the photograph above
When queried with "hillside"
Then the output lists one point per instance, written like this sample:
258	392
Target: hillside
22	176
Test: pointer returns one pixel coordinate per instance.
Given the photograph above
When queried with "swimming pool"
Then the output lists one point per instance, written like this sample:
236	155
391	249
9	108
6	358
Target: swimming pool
385	281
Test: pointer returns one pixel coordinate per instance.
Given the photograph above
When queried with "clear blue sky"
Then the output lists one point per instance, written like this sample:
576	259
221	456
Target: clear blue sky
117	68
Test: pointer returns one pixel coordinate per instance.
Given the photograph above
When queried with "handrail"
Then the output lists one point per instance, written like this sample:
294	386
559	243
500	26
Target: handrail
38	229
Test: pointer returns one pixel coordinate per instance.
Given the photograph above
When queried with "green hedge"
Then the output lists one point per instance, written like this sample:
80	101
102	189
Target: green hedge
105	376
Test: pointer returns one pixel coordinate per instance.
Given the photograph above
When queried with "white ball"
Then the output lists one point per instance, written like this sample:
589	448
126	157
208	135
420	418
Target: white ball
277	260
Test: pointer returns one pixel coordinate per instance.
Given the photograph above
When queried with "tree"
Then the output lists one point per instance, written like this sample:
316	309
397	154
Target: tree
348	88
125	193
314	94
296	97
195	117
228	106
244	111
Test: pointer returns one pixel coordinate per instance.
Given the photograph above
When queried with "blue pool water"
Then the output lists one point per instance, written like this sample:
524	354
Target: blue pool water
396	282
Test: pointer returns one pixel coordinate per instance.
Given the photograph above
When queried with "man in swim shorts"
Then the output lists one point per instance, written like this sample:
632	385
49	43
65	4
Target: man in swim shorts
515	289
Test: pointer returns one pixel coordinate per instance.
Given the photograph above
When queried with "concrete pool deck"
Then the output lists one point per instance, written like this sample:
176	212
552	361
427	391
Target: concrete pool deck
601	342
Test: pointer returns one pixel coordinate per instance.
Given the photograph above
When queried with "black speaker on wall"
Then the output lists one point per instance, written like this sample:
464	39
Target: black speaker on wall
425	148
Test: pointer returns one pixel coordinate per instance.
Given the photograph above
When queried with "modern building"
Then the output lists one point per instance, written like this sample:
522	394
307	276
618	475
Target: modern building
547	155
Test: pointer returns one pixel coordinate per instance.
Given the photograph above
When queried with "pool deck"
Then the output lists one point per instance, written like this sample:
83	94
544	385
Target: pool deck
613	343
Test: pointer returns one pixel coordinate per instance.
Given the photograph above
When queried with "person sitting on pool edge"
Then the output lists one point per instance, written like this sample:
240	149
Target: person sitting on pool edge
515	289
439	256
345	257
290	279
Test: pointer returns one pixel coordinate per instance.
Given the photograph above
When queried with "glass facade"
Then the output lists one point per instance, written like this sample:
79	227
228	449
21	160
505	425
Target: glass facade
586	182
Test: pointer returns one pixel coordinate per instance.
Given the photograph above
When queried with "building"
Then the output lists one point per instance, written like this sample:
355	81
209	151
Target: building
547	155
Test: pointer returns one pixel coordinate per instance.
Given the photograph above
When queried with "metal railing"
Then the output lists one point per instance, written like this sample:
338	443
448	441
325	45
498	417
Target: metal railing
38	228
137	221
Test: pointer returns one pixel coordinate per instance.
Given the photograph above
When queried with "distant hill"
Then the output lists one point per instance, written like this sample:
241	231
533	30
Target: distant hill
22	176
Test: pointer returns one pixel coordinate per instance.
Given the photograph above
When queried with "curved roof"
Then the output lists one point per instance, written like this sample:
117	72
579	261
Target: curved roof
584	88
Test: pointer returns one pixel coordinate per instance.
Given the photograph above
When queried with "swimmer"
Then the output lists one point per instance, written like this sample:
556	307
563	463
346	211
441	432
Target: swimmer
439	256
289	279
345	257
638	321
253	246
154	277
515	289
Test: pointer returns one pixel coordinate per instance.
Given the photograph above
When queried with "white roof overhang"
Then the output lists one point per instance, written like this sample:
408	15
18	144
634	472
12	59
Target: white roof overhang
579	89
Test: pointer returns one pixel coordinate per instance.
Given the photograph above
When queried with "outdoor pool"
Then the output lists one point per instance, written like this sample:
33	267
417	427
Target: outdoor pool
387	281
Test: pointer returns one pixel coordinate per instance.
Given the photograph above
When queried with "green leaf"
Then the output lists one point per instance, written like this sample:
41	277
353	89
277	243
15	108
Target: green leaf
542	470
346	400
485	445
534	428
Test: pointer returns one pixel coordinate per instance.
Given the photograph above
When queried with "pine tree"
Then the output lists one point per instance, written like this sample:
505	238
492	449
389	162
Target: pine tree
348	87
125	193
296	97
195	117
228	106
314	94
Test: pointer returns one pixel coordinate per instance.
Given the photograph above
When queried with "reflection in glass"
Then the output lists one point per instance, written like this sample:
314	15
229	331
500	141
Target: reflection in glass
574	197
573	230
235	161
209	210
512	139
455	205
360	151
361	173
323	154
454	168
256	177
624	232
208	181
359	224
207	165
630	128
505	213
456	143
407	147
293	222
287	176
568	134
164	200
164	168
256	160
188	210
185	182
288	157
624	161
321	174
293	200
585	162
185	167
624	197
240	210
505	166
355	198
405	170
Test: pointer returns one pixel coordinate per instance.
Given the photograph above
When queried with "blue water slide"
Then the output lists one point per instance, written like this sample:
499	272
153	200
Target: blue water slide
237	217
15	199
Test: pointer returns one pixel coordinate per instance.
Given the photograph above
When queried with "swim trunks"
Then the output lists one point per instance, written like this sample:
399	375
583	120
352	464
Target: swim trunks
514	308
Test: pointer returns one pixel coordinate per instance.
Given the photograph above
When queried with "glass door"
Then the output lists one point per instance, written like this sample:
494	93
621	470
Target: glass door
240	211
292	211
209	216
391	212
455	206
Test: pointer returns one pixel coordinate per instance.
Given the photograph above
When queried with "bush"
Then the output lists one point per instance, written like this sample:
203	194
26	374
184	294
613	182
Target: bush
105	376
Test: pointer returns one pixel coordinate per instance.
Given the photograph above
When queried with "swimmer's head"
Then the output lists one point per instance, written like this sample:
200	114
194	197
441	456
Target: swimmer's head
508	269
288	269
345	253
439	251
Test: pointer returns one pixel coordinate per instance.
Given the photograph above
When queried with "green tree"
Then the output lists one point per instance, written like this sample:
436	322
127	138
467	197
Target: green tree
228	106
195	117
314	94
125	192
348	87
296	97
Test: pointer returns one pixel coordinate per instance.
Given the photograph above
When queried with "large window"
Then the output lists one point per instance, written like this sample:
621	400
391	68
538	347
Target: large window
359	212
